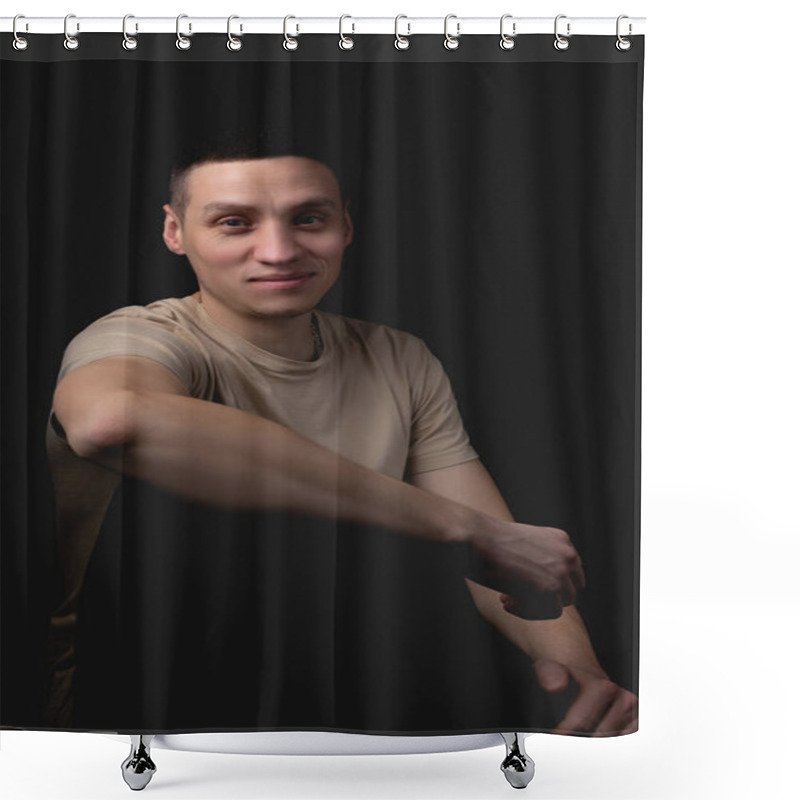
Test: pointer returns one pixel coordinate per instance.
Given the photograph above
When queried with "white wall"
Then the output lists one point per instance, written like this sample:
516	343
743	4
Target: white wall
720	602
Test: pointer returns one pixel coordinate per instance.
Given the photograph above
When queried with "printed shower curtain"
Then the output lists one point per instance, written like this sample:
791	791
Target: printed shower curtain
387	282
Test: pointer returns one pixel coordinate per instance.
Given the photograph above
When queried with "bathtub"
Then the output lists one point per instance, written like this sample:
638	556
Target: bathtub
138	768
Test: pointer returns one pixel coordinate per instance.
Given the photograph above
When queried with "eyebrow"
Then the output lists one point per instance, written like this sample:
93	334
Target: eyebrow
316	202
218	206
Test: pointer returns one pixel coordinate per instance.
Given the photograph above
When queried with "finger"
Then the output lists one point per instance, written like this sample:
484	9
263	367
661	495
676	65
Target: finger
578	576
622	714
568	596
553	677
575	567
575	581
566	590
560	586
589	708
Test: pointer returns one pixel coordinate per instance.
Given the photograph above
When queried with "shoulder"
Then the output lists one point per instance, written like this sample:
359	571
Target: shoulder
164	331
172	319
171	313
383	340
402	358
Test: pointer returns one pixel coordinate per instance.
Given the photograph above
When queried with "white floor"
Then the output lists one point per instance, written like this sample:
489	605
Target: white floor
719	707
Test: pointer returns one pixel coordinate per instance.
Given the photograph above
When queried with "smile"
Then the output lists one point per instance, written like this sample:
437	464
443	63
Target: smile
291	281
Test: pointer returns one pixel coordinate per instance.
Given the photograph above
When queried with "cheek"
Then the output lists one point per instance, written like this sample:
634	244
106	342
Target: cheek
331	248
219	255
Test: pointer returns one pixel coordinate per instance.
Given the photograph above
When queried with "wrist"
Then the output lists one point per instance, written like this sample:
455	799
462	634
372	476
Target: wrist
564	640
581	661
464	525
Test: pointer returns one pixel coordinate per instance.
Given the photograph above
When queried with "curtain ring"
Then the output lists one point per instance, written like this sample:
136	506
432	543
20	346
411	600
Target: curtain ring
182	42
289	43
622	43
451	42
346	42
233	43
507	42
70	42
129	42
401	42
20	43
561	43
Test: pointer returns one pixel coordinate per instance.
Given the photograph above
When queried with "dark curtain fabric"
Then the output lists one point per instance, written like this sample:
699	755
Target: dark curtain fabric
496	198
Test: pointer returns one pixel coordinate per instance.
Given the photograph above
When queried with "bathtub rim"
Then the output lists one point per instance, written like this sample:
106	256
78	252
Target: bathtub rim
286	743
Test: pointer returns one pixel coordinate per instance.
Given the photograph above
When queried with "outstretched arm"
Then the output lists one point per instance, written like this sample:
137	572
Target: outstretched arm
559	648
132	414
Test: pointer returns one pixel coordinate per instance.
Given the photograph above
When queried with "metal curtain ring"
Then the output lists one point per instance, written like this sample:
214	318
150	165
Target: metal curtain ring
20	43
129	42
451	42
233	43
401	42
290	43
346	42
182	42
507	42
71	42
622	43
561	43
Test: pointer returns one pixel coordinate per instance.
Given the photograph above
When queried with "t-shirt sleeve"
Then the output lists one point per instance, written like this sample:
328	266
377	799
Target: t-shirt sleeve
139	331
438	437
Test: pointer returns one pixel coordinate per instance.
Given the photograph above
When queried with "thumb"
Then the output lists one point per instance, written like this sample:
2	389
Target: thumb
553	677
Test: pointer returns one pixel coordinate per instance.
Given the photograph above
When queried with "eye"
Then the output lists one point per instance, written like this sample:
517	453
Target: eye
310	218
232	222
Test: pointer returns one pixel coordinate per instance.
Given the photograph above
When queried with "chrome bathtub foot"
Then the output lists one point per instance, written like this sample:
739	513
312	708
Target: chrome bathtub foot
517	766
138	768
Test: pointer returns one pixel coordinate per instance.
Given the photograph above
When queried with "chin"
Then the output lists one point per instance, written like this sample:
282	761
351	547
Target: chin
284	313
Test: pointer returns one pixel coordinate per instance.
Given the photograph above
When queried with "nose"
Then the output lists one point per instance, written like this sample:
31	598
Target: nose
275	244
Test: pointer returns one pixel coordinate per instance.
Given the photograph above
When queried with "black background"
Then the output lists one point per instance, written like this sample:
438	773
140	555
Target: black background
496	199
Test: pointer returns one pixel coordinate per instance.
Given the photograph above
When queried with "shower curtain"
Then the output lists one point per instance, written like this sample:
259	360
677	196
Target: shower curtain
482	330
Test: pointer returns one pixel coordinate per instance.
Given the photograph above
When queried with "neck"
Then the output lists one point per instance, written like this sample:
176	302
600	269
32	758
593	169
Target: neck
288	337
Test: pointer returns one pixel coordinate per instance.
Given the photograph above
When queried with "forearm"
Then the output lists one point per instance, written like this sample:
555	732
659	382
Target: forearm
565	640
222	456
561	638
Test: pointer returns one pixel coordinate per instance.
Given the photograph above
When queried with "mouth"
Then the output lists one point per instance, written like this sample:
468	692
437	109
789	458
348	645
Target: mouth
290	280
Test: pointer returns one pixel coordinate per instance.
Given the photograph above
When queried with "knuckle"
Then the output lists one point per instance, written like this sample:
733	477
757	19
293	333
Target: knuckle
560	571
561	535
608	689
550	585
629	703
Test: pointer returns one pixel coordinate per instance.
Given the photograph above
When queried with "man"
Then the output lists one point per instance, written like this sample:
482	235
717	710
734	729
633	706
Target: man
243	396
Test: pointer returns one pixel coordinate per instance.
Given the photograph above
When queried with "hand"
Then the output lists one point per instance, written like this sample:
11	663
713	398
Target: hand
545	557
601	708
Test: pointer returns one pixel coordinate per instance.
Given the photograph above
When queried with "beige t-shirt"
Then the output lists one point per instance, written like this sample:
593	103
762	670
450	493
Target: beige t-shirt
376	395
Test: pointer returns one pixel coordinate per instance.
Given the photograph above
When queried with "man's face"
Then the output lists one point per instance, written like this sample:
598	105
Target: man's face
265	237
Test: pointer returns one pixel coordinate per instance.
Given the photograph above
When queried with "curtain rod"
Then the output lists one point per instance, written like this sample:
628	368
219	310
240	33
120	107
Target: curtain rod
596	26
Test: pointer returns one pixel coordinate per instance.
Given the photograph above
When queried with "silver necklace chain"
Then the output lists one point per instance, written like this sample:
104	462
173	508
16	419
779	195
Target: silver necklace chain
316	336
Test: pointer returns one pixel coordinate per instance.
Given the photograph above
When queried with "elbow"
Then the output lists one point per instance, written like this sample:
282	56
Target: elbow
101	426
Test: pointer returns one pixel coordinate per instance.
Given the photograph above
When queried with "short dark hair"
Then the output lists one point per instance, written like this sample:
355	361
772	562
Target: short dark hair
238	147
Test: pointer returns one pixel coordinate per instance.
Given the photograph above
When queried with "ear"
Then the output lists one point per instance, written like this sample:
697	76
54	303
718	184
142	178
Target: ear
173	233
348	224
